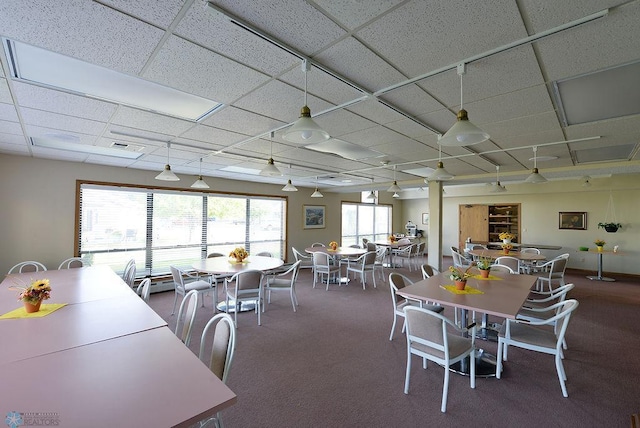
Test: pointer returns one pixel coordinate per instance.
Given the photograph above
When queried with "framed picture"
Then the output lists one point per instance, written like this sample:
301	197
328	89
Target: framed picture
573	220
425	218
314	216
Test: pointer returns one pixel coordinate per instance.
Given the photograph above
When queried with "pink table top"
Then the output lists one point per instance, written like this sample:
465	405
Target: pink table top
147	379
340	251
502	297
225	265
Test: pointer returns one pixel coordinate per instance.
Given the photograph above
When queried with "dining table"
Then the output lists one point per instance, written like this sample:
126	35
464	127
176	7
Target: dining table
392	245
228	267
103	357
599	276
337	254
494	254
501	295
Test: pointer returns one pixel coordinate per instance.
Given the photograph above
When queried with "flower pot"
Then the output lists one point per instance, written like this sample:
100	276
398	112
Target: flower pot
611	229
505	250
31	308
484	273
506	241
460	285
600	248
334	247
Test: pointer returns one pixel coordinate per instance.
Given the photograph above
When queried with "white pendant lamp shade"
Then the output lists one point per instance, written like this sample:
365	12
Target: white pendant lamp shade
394	187
289	187
316	193
371	196
167	174
440	174
305	130
463	132
395	195
535	177
270	170
497	187
200	183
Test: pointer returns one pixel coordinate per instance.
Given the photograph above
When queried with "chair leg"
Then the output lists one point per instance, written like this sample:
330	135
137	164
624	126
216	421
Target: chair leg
445	391
406	378
293	300
393	326
561	376
175	300
499	359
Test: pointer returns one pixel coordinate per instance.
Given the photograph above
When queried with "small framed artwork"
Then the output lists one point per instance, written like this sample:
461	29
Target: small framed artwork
314	216
573	220
425	218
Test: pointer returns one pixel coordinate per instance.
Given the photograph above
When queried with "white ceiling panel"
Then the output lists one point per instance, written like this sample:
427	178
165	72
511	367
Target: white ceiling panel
157	13
5	95
38	118
134	118
8	113
241	121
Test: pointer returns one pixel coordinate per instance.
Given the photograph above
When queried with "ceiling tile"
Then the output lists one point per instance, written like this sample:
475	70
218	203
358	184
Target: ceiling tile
38	118
5	95
160	14
134	118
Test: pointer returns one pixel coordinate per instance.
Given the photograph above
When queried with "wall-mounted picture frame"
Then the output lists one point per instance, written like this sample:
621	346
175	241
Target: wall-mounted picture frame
425	218
575	220
314	216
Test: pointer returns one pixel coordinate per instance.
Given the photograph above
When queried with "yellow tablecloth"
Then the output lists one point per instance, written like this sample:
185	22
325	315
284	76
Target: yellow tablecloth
45	309
467	290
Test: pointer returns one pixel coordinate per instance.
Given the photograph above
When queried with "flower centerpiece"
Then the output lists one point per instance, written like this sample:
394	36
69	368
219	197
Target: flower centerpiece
484	264
599	243
459	277
239	254
392	238
506	237
506	248
333	245
33	295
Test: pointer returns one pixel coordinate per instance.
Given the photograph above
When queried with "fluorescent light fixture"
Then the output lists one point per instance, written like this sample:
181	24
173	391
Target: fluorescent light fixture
83	148
44	67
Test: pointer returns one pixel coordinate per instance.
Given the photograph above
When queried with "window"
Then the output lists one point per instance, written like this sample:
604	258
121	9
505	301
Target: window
159	228
372	222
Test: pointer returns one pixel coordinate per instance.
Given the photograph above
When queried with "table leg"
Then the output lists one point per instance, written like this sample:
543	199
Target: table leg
599	277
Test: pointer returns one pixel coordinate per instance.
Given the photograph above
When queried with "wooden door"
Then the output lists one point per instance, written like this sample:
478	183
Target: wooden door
474	223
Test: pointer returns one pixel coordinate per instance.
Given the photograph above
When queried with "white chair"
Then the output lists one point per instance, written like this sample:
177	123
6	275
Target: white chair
537	305
404	253
28	266
528	334
528	266
264	254
397	282
502	268
186	316
381	254
322	266
129	273
144	289
459	260
73	262
428	337
306	261
284	281
552	272
245	286
363	264
219	355
428	271
182	287
318	244
512	262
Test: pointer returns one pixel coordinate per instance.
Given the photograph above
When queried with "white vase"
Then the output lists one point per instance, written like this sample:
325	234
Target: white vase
506	241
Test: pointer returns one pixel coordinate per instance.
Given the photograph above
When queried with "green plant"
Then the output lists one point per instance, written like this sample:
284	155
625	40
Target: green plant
609	225
599	242
484	263
458	275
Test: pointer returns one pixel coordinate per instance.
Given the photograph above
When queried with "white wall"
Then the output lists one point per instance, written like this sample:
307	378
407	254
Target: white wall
540	205
37	216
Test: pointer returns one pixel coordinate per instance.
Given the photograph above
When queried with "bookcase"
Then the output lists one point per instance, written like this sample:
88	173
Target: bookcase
484	223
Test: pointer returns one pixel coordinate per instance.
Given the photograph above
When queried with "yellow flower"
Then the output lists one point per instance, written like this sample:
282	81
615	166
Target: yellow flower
239	253
36	291
333	244
506	235
457	275
41	285
599	242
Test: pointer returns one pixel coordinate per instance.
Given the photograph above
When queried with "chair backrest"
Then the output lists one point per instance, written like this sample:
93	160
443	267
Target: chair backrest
397	281
318	244
321	260
371	246
558	266
556	295
429	329
247	280
223	344
479	247
364	242
369	258
28	266
178	280
564	311
530	250
186	315
381	253
73	262
512	262
129	273
458	259
212	255
502	268
404	241
264	254
298	255
428	271
144	289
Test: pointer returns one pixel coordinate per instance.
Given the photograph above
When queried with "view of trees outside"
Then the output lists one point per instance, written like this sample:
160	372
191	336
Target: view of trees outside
372	222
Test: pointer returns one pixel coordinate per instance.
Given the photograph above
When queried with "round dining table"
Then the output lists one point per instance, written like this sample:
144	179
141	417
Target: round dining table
227	266
336	254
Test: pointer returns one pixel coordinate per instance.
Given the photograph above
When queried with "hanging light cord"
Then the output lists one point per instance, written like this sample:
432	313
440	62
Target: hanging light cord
498	175
461	91
535	157
304	65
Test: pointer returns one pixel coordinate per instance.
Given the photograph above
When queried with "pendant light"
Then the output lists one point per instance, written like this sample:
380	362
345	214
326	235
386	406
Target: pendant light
394	187
270	170
395	195
167	174
535	177
200	183
440	174
586	181
497	187
305	130
289	187
316	193
463	132
372	195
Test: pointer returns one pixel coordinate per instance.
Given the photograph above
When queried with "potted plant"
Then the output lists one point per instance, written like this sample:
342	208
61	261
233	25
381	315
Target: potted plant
33	295
239	254
600	244
484	264
610	227
459	277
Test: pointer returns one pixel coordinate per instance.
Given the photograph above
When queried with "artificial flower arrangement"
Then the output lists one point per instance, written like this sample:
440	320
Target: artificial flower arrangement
458	275
239	254
392	238
37	291
506	235
599	243
333	245
484	263
507	247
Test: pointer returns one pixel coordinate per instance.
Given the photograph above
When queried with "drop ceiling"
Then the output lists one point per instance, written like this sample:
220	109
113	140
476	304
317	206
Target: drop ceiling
383	84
